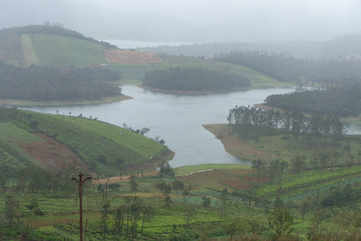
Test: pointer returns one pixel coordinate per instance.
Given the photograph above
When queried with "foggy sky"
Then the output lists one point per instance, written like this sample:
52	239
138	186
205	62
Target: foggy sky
192	20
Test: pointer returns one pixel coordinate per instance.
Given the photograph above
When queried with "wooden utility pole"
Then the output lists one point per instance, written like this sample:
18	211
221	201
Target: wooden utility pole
81	180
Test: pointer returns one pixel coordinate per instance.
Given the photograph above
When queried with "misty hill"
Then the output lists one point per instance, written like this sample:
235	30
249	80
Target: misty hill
53	143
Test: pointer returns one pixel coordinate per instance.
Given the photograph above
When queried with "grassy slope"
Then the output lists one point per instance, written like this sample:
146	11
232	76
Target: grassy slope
144	146
59	50
12	156
103	147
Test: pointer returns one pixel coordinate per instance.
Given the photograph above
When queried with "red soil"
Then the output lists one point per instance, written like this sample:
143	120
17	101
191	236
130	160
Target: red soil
131	57
235	179
52	155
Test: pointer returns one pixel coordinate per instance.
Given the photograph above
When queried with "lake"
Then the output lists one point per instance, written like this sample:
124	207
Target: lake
176	119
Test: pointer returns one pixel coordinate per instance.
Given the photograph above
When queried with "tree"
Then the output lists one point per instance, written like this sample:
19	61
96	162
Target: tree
206	202
186	192
166	189
166	170
231	227
224	199
280	222
178	185
120	214
12	212
133	184
189	213
298	164
104	218
147	214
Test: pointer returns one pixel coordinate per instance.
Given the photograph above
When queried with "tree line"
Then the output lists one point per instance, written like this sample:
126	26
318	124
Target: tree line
292	121
48	83
194	79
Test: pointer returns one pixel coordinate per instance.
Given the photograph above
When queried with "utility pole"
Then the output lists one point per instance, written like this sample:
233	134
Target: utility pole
81	180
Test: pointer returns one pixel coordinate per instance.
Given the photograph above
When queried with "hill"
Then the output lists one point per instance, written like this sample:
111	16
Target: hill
54	143
49	45
246	78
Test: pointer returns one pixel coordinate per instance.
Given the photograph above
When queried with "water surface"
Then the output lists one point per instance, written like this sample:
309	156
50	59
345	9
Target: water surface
176	119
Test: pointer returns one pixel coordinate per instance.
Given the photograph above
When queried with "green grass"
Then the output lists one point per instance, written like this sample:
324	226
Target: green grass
10	132
56	50
12	156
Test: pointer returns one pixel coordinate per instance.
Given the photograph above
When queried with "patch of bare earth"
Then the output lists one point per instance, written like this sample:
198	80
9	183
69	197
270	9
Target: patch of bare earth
52	155
234	145
242	179
131	57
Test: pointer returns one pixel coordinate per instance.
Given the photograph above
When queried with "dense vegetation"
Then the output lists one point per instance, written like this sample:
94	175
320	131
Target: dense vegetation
289	69
47	83
194	79
341	101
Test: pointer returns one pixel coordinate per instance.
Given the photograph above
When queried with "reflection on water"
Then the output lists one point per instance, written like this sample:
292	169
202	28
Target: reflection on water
176	119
